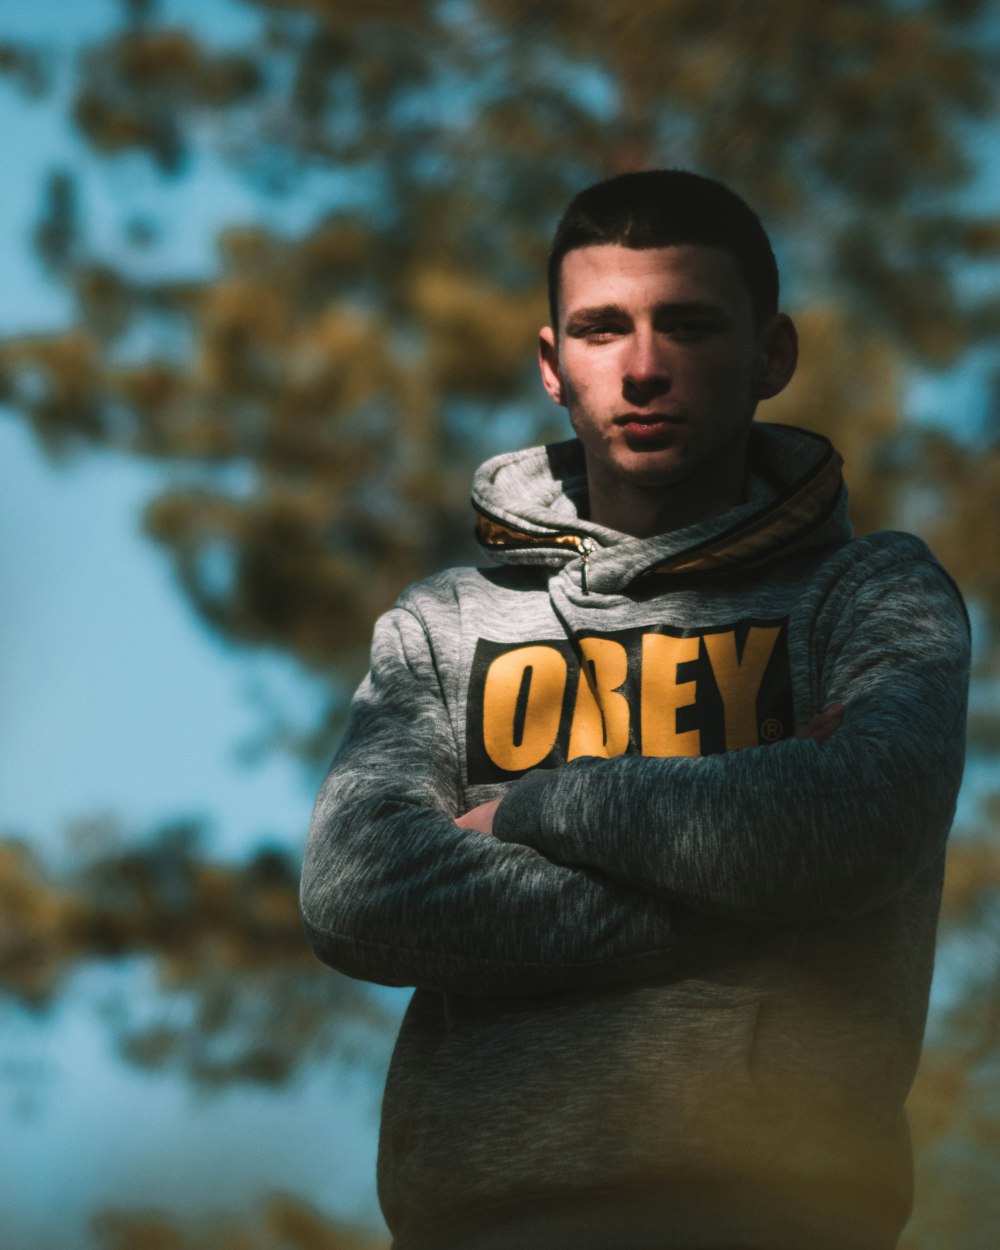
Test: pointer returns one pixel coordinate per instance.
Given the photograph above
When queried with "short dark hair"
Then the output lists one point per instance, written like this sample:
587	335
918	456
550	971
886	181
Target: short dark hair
661	208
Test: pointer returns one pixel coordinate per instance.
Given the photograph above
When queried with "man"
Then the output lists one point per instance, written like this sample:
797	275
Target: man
675	1001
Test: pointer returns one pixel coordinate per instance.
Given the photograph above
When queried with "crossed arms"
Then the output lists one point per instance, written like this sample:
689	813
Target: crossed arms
605	871
818	728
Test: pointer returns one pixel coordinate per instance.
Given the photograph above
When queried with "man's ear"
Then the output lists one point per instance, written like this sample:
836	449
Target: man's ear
779	355
548	363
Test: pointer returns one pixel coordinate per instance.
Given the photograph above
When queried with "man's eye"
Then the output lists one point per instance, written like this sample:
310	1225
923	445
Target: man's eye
688	329
601	331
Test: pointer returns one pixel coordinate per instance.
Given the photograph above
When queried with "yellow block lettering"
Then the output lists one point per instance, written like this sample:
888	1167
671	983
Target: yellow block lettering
601	714
522	706
739	680
663	695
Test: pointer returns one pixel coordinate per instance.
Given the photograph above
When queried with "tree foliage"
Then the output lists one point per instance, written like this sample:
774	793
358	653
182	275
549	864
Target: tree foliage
224	939
287	1224
318	401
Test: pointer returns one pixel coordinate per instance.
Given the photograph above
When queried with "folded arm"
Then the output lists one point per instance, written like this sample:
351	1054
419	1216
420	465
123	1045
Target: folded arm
818	728
802	829
394	891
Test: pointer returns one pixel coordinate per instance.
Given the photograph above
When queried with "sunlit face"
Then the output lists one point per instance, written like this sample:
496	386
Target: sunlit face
659	362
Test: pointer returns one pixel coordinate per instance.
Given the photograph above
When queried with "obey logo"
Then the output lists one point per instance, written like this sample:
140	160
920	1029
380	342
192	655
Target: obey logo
652	691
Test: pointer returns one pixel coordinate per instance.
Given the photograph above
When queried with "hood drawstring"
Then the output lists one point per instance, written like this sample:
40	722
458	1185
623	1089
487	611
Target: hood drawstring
585	546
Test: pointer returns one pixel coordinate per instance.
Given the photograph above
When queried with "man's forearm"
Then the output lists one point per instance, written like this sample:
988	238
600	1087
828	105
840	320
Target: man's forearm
818	729
394	891
405	897
800	829
749	843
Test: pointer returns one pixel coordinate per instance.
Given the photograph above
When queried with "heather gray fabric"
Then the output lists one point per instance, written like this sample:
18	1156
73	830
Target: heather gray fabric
677	1001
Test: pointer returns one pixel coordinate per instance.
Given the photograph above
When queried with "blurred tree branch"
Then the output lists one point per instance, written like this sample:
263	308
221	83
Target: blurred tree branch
288	1224
226	939
317	402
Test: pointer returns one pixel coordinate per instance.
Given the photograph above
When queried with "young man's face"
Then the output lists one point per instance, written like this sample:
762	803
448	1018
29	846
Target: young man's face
660	363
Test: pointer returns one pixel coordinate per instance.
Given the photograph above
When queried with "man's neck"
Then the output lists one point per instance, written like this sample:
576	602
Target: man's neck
645	511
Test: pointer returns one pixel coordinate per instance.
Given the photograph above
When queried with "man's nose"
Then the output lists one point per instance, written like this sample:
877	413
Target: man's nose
646	365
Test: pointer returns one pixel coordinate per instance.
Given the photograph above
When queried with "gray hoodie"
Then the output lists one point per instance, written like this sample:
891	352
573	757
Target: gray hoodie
677	1000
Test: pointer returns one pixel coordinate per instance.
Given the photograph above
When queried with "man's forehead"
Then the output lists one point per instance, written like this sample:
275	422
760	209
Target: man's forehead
682	272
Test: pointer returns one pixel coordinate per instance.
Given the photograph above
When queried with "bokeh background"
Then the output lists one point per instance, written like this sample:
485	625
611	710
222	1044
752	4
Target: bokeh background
271	277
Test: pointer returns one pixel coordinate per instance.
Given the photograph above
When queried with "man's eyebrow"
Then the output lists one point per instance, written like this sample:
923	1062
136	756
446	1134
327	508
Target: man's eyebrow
691	308
597	312
582	317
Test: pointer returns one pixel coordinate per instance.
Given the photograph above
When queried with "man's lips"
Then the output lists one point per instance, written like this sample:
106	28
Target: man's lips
647	424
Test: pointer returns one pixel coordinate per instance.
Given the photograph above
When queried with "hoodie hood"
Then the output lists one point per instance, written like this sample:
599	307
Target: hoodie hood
531	509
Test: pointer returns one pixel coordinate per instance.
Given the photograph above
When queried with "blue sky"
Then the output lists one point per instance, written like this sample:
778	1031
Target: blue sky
82	1130
117	703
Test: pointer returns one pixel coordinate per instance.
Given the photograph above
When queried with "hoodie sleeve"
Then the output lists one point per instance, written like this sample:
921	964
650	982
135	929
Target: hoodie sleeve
394	892
796	830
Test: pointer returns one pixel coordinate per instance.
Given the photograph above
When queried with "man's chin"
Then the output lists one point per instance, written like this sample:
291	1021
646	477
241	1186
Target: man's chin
651	472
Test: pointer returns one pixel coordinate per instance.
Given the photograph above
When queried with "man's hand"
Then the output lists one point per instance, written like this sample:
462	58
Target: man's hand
480	817
823	724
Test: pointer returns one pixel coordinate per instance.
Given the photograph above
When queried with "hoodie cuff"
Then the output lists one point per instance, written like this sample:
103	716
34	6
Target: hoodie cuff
517	817
521	815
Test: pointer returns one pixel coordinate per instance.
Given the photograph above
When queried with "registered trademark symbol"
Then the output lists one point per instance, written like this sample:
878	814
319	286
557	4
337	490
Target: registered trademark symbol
771	730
